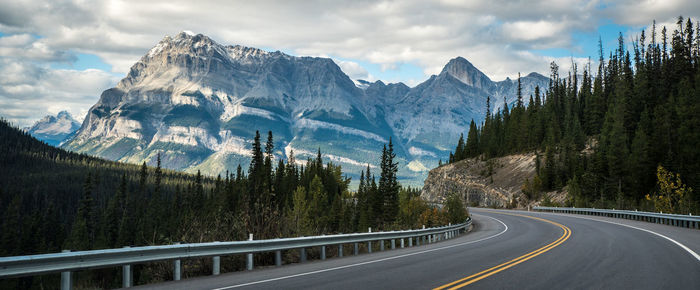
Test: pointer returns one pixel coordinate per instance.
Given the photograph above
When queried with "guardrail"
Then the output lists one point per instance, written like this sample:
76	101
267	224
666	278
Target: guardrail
679	220
67	261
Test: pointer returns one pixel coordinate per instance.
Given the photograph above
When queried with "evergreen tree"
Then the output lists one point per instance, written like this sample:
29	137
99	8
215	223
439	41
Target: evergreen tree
388	185
460	153
520	93
472	147
82	233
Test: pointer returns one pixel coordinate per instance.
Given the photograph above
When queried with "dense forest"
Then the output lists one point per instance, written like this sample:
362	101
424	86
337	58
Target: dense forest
625	138
52	200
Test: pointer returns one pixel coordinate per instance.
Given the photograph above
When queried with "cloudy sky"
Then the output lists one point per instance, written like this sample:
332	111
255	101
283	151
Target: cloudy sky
61	54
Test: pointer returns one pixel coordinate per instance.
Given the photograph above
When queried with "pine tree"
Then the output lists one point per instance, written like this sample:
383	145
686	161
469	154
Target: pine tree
256	173
460	153
82	233
488	107
11	227
641	166
301	220
520	93
388	185
159	177
472	147
318	205
267	174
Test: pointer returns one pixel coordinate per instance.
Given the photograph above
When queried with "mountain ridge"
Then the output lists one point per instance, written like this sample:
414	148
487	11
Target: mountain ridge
54	129
198	103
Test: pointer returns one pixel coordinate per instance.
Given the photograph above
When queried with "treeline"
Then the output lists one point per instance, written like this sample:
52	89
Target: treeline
53	200
385	205
605	136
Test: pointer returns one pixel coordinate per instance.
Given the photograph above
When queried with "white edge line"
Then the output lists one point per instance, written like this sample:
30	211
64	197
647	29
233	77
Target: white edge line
368	262
691	252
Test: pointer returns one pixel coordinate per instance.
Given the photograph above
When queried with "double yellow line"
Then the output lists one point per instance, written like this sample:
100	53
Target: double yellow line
493	270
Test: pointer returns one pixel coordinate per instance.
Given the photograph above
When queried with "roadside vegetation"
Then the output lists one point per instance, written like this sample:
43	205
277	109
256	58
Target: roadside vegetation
624	138
52	199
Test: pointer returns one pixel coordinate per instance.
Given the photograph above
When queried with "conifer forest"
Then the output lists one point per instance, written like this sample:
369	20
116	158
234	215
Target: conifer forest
614	134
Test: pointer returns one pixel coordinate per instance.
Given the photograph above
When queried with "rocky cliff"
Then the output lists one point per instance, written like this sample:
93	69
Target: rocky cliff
495	182
198	103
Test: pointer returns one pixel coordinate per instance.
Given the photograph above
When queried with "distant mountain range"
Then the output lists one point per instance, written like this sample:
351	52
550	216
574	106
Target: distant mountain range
198	103
54	129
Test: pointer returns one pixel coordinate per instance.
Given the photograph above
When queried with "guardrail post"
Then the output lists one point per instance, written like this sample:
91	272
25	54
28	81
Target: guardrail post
381	245
66	283
216	264
302	253
340	250
323	252
357	249
402	243
430	239
418	241
176	271
126	274
393	244
369	244
410	241
278	258
249	256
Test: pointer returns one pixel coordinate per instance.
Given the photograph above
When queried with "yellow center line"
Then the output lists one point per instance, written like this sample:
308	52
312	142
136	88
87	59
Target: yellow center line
493	270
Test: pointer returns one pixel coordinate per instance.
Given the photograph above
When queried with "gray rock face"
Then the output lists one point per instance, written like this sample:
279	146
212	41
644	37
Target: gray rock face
54	129
199	103
481	183
430	117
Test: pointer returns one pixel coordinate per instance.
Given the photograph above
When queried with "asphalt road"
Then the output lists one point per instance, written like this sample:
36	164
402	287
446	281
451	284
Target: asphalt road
505	250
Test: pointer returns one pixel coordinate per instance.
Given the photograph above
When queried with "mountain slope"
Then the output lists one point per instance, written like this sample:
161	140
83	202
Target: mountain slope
199	103
432	115
54	129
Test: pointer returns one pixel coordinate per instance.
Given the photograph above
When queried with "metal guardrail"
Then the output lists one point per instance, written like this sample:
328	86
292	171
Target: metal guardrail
686	221
65	262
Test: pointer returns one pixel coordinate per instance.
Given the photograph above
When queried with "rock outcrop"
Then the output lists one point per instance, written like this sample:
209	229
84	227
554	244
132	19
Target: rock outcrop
493	183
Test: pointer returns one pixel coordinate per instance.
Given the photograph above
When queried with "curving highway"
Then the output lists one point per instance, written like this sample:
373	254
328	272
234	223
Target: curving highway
505	250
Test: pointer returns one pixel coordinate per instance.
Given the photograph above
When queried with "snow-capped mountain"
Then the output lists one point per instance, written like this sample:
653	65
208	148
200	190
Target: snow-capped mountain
199	103
54	129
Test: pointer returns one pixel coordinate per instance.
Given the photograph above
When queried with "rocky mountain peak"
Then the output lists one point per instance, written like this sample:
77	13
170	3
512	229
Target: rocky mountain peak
64	115
54	129
197	103
463	70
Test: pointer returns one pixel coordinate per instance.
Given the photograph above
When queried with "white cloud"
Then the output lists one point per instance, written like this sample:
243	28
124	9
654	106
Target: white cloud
25	46
354	70
641	13
29	92
496	36
386	33
533	30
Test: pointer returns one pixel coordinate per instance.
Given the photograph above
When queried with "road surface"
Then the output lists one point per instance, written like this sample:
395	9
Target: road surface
505	250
